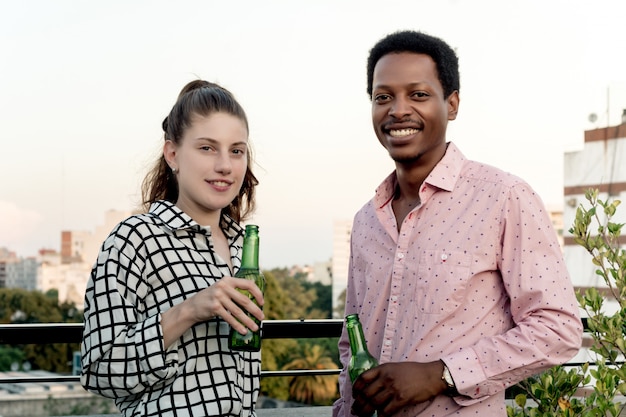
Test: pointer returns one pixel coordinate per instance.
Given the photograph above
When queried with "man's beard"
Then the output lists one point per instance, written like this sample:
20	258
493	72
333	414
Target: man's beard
407	160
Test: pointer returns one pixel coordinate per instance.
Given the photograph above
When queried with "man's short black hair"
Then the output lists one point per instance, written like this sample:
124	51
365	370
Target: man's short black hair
412	41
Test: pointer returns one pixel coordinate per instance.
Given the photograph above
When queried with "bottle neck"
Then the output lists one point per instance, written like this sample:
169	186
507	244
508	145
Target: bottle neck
357	339
250	253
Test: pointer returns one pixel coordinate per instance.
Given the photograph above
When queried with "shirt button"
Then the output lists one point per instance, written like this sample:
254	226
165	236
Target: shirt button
394	298
387	342
401	255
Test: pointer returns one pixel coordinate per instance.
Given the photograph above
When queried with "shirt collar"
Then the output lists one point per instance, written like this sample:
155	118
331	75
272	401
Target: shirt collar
447	171
176	219
443	176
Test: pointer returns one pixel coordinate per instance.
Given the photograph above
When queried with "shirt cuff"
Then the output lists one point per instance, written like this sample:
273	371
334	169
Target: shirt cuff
468	376
154	360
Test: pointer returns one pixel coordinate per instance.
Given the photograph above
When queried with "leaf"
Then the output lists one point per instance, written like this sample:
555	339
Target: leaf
520	399
564	404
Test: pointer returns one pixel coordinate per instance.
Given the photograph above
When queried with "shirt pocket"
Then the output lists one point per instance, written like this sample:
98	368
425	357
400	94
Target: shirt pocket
442	281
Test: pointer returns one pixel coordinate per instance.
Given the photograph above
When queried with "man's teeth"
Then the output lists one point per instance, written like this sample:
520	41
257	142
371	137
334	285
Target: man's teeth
397	133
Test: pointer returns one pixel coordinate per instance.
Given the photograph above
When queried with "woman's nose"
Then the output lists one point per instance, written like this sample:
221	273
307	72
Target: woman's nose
223	164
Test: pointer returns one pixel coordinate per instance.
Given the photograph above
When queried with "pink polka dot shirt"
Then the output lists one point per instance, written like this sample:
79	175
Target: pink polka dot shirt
475	277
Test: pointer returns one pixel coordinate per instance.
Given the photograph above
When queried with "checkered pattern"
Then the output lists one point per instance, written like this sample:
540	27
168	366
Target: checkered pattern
149	263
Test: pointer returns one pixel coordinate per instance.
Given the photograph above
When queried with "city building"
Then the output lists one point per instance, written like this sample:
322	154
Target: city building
6	257
556	215
83	246
322	273
69	270
340	263
16	272
22	273
599	165
66	271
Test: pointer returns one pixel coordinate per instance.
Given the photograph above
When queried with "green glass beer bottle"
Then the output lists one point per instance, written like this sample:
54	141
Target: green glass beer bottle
251	341
361	359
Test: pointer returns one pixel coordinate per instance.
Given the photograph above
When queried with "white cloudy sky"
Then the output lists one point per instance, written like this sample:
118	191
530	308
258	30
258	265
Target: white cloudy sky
84	86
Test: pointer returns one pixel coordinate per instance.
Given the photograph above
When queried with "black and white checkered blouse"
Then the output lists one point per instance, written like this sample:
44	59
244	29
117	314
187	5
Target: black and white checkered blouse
149	263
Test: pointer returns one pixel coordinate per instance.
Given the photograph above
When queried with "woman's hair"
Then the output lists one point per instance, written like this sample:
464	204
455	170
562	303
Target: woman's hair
198	98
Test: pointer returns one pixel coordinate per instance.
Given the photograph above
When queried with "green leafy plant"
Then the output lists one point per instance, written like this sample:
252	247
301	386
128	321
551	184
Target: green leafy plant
589	390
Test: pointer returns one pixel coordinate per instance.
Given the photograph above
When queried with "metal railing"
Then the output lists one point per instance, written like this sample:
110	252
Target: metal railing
47	333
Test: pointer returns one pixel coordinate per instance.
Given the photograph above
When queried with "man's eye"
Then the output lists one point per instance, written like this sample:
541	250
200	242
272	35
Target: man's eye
382	98
420	94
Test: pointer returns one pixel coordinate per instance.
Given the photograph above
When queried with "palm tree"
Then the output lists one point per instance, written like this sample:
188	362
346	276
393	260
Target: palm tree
312	389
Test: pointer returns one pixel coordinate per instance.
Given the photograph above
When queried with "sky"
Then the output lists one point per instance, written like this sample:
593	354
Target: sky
84	86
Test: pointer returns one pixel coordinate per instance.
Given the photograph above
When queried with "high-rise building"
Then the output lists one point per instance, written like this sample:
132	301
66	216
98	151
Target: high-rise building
340	262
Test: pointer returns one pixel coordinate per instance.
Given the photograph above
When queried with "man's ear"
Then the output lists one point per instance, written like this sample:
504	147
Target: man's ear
453	104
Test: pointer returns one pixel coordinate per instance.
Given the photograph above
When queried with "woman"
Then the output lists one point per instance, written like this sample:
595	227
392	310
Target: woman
162	295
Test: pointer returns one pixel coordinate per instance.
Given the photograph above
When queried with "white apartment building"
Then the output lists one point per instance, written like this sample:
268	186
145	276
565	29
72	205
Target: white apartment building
69	271
322	273
601	164
66	271
83	246
69	279
340	260
22	274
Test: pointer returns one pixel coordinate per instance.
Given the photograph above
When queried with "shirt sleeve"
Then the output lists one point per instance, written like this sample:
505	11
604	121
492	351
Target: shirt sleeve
121	355
547	328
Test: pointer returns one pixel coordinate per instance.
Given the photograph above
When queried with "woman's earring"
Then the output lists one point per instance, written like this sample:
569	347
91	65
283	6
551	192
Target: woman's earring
174	171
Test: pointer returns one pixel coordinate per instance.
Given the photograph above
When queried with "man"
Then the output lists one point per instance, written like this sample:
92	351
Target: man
455	269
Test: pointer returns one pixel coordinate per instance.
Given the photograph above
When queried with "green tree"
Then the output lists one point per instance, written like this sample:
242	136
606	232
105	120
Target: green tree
554	392
322	305
275	297
312	389
275	350
297	300
23	306
288	297
10	355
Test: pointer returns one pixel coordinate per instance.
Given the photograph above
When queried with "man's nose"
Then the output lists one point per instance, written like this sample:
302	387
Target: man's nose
399	108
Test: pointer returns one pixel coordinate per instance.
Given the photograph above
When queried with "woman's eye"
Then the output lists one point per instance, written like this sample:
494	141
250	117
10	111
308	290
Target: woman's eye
206	148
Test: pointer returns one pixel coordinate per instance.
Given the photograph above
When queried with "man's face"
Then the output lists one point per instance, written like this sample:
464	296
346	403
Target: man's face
409	112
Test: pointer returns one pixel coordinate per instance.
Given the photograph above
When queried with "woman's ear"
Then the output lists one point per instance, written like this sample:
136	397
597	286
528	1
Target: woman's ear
169	153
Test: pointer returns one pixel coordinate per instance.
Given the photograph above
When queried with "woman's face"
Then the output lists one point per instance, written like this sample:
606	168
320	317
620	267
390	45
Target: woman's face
210	162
